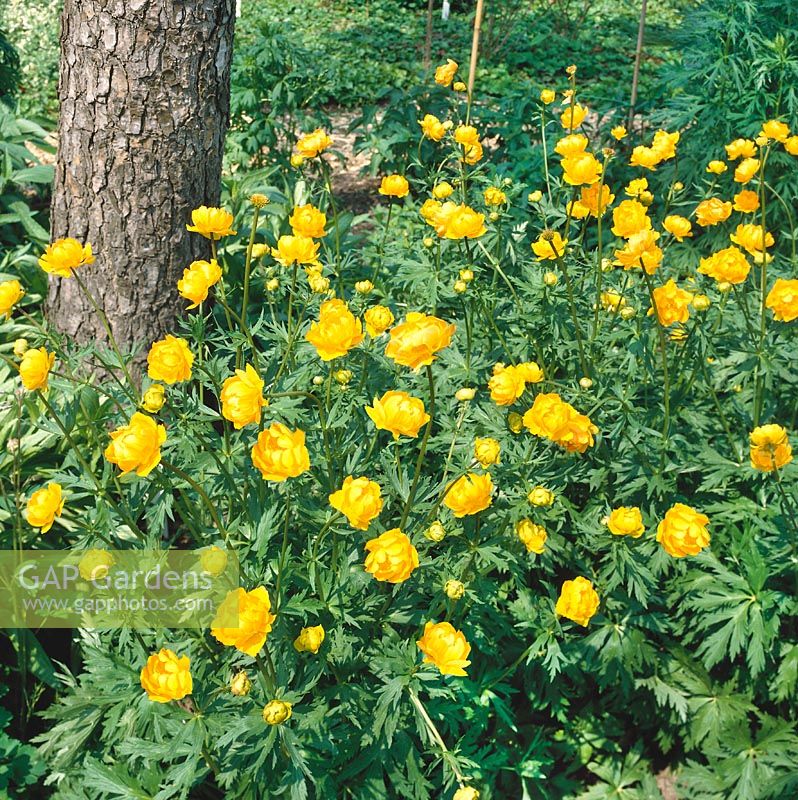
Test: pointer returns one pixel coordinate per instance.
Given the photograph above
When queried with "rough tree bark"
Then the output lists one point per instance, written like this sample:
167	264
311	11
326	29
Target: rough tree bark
144	92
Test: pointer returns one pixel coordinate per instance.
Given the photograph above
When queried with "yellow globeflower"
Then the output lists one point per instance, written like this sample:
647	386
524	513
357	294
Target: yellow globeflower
308	221
253	612
391	557
791	145
532	535
154	398
44	505
445	647
276	712
415	342
170	360
671	304
442	190
558	421
10	294
506	385
547	96
211	222
626	521
296	250
34	369
630	217
549	246
618	132
754	240
242	397
716	167
774	129
679	227
573	116
280	453
571	145
312	144
645	157
166	677
540	496
240	684
432	127
445	73
378	319
359	500
394	186
683	531
581	168
578	601
469	494
197	280
770	448
494	196
712	211
309	640
454	221
729	265
782	299
337	331
740	148
64	255
486	451
746	170
137	445
398	413
589	198
95	564
746	201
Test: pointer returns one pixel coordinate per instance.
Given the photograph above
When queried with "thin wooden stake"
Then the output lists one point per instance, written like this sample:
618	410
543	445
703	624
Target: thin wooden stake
428	38
472	67
638	55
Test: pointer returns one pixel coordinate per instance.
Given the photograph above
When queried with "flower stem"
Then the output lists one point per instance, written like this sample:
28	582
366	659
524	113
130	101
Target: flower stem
663	345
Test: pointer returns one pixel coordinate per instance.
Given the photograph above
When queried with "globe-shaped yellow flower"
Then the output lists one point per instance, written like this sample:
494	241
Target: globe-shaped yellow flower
581	168
394	186
43	506
308	221
359	500
578	601
337	331
296	250
398	413
64	255
312	144
211	222
770	447
280	453
10	294
197	280
415	342
469	494
453	221
34	369
276	712
549	246
728	265
444	74
626	521
432	128
712	211
378	319
166	676
782	299
532	535
486	451
170	360
683	531
137	445
630	217
309	640
391	557
95	564
253	613
679	227
671	304
445	647
242	397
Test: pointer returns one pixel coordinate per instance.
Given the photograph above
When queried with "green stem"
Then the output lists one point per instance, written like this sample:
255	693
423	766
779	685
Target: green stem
663	344
201	492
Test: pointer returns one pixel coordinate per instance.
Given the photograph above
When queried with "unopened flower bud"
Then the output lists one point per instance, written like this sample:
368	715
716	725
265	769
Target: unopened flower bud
428	241
515	422
275	712
342	376
628	312
724	287
154	398
240	684
646	198
701	302
678	186
535	197
435	532
454	589
20	347
272	285
607	265
318	380
466	275
465	394
297	160
540	496
493	216
364	287
466	793
459	86
550	278
460	287
585	382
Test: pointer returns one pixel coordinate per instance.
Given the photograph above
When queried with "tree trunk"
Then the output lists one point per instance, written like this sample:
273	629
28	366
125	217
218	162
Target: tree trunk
144	93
